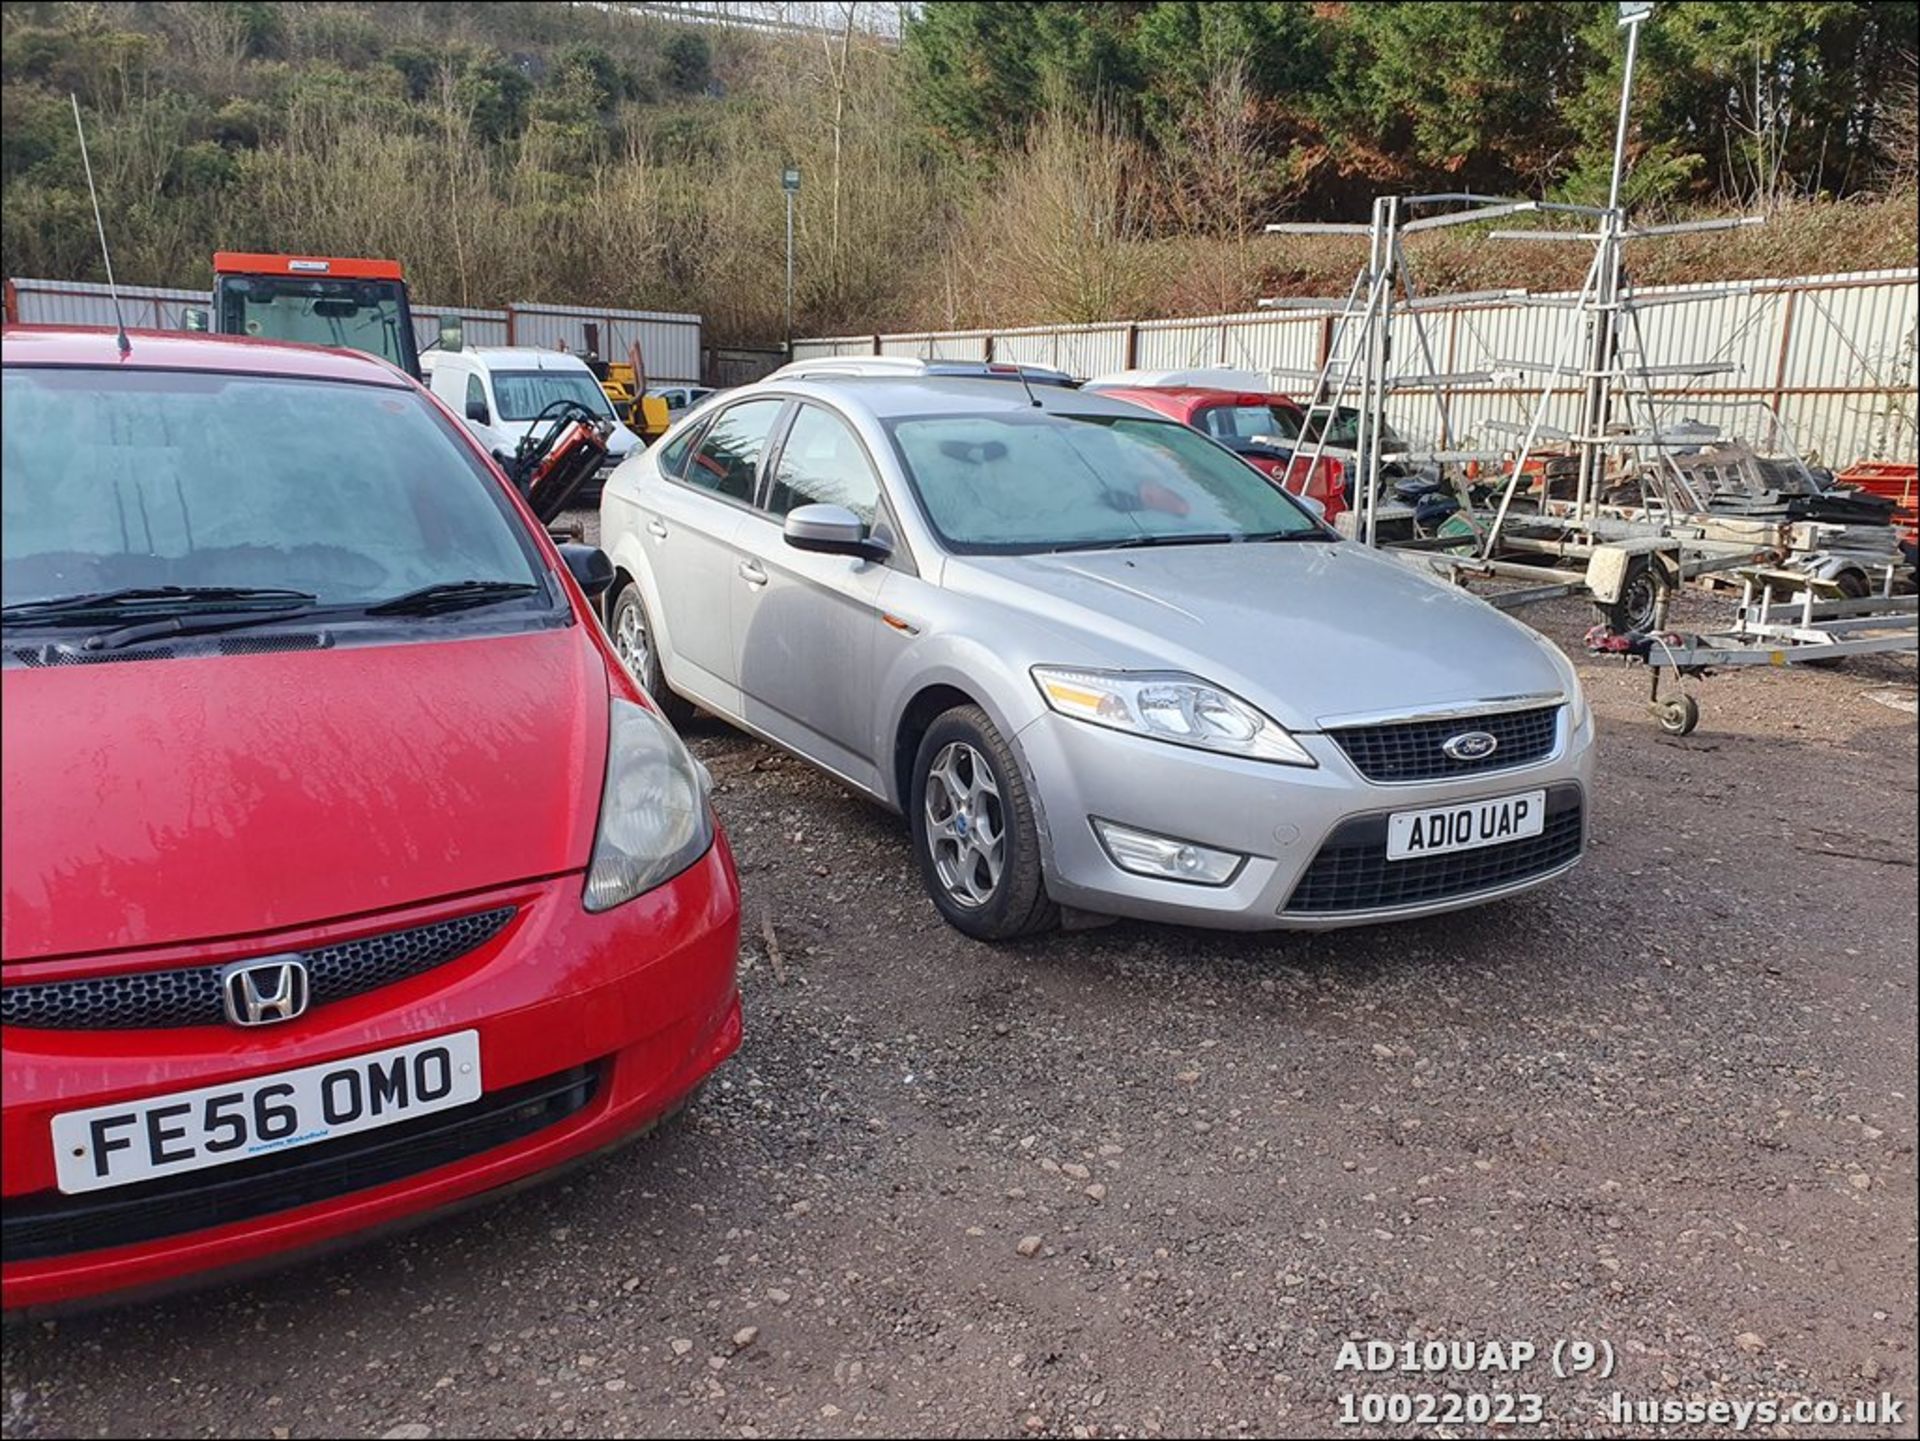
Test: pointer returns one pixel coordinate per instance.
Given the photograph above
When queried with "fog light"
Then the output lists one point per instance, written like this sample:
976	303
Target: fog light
1145	854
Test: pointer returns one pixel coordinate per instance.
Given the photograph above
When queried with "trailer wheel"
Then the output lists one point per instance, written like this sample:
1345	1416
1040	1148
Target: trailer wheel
1643	595
1677	715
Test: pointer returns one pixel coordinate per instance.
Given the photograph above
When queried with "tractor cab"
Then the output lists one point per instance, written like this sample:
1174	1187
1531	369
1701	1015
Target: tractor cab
355	304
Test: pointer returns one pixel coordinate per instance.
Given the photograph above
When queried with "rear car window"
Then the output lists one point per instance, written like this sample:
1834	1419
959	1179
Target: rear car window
1249	422
159	477
727	460
673	455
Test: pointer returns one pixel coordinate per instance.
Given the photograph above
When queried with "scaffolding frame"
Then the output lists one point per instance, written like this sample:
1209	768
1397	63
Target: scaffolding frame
1603	351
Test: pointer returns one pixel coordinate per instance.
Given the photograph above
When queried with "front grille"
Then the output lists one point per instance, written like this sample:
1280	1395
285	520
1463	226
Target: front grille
145	1000
1352	872
1411	750
33	1228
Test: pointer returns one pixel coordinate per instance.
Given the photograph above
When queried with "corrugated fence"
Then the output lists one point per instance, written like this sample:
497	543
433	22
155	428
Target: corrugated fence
670	343
1824	363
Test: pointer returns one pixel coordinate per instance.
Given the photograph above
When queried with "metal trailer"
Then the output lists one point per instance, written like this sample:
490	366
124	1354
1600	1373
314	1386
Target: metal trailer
1799	631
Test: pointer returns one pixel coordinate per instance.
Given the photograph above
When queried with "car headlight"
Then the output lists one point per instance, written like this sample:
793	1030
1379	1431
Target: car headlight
654	817
1168	706
1577	708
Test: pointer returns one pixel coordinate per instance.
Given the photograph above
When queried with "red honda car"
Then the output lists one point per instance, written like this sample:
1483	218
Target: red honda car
1263	430
347	872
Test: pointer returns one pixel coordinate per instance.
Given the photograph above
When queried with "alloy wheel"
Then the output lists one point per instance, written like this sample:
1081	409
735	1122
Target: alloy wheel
630	640
966	825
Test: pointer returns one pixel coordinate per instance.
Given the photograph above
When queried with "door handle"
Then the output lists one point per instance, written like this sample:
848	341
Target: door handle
752	573
657	529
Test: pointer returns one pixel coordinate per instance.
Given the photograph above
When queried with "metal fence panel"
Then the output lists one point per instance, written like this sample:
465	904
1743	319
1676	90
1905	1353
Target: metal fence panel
1275	342
1027	347
670	342
1825	363
833	345
909	345
1091	351
146	307
477	327
1178	345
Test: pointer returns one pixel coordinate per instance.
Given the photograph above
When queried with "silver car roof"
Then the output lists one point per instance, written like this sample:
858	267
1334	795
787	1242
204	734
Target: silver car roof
885	397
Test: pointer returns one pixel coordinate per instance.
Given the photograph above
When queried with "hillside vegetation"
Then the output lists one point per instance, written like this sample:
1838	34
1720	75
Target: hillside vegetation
1002	163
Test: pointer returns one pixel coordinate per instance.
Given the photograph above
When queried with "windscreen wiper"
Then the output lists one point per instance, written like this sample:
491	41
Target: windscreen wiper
1137	542
428	600
66	609
200	623
452	595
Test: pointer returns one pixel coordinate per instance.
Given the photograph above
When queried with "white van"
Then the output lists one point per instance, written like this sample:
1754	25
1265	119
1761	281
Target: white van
502	389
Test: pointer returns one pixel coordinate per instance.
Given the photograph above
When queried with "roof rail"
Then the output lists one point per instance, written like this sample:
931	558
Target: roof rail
903	367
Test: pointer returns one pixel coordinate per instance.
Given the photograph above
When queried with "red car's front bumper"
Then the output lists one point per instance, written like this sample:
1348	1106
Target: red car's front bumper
608	1019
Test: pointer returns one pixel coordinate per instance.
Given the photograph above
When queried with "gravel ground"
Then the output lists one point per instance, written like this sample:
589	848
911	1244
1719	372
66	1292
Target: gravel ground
1136	1181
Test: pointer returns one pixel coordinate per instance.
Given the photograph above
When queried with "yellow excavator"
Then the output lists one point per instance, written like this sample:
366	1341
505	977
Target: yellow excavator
625	385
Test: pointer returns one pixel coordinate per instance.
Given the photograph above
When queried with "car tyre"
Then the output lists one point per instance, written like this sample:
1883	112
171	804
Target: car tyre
633	640
975	832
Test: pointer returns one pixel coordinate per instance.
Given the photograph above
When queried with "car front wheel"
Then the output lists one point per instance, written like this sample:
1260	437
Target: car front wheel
974	830
633	641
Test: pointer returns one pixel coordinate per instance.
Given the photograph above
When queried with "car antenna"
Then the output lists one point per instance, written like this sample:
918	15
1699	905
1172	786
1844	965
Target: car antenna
113	291
1020	374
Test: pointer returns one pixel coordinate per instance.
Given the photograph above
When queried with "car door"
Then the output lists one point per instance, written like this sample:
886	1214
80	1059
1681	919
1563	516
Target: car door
689	523
804	623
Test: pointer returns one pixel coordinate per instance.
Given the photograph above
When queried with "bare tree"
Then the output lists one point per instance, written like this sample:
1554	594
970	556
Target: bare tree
1897	123
214	34
1065	225
456	130
1761	113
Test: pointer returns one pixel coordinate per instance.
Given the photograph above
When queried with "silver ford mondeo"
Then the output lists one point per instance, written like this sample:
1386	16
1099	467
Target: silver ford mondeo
1104	666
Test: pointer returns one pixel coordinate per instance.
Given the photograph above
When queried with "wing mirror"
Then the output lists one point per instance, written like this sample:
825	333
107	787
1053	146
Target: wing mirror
194	318
452	335
832	530
590	567
1315	505
477	412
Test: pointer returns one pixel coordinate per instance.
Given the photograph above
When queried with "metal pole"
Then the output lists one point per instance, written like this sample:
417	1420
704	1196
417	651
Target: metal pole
1599	398
1362	472
789	194
1626	100
1386	225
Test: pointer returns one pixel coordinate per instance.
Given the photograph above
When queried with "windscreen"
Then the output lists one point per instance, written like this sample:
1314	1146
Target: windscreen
523	394
1031	481
352	314
353	493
